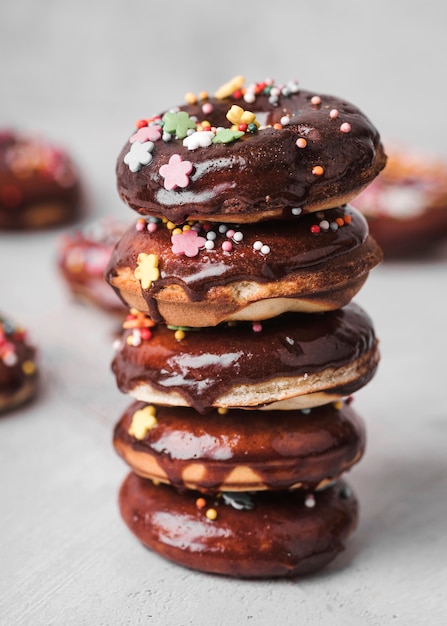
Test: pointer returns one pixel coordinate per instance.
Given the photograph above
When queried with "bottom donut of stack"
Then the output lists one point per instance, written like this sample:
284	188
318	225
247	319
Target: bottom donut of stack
226	486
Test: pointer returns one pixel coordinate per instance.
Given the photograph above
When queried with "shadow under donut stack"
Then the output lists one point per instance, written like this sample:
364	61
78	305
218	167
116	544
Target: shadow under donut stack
242	347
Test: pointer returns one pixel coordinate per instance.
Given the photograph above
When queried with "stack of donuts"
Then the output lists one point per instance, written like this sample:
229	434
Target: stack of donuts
242	348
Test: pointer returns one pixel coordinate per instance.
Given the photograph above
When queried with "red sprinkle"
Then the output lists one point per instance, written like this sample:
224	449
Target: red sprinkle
145	334
141	123
315	228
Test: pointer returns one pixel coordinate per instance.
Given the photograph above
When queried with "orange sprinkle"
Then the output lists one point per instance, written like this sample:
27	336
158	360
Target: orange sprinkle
347	219
318	170
277	126
200	503
340	221
301	142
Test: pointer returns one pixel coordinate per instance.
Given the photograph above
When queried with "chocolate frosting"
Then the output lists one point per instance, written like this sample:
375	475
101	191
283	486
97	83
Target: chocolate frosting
283	448
265	173
39	184
210	361
279	535
293	248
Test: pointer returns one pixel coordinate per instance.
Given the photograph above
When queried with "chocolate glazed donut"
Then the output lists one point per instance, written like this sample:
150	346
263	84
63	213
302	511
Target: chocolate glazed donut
310	152
240	450
316	263
267	534
296	360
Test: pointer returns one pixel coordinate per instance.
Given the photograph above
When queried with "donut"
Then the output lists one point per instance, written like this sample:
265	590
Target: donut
406	205
292	361
18	371
272	450
245	535
39	183
208	274
82	257
259	152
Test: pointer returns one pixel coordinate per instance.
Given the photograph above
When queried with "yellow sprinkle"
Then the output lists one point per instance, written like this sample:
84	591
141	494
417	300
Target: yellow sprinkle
143	421
186	227
190	98
129	340
28	367
211	514
230	87
203	95
338	405
170	225
222	410
179	335
177	231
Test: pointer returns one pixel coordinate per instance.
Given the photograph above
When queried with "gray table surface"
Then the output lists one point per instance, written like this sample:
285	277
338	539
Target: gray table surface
81	74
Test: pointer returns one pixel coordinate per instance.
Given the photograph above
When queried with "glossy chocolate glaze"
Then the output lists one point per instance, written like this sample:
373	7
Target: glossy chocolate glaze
15	350
209	361
279	536
264	174
294	249
282	448
39	184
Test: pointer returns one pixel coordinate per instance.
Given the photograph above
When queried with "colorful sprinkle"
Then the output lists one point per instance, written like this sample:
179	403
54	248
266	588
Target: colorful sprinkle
147	133
188	243
176	172
301	142
345	127
227	135
178	124
200	503
199	139
228	88
147	270
315	100
139	155
143	421
211	514
309	502
179	335
256	327
333	114
318	170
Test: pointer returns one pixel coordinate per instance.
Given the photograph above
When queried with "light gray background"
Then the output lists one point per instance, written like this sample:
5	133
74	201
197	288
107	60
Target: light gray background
81	73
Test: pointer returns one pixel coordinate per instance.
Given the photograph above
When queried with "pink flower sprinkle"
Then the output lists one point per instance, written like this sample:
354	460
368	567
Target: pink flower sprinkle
188	243
146	133
176	172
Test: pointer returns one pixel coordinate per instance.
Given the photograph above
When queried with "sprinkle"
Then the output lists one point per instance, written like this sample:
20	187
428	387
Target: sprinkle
226	135
178	124
339	221
176	172
140	225
198	139
315	100
306	411
203	95
337	405
28	368
265	249
200	503
141	123
318	170
237	115
333	226
346	492
207	108
227	246
188	243
209	245
324	225
229	87
285	120
277	126
230	233
139	155
347	218
301	142
297	211
145	334
211	235
257	327
222	410
238	236
143	421
333	114
309	502
211	514
314	228
223	228
179	335
190	98
146	133
345	127
147	269
257	245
